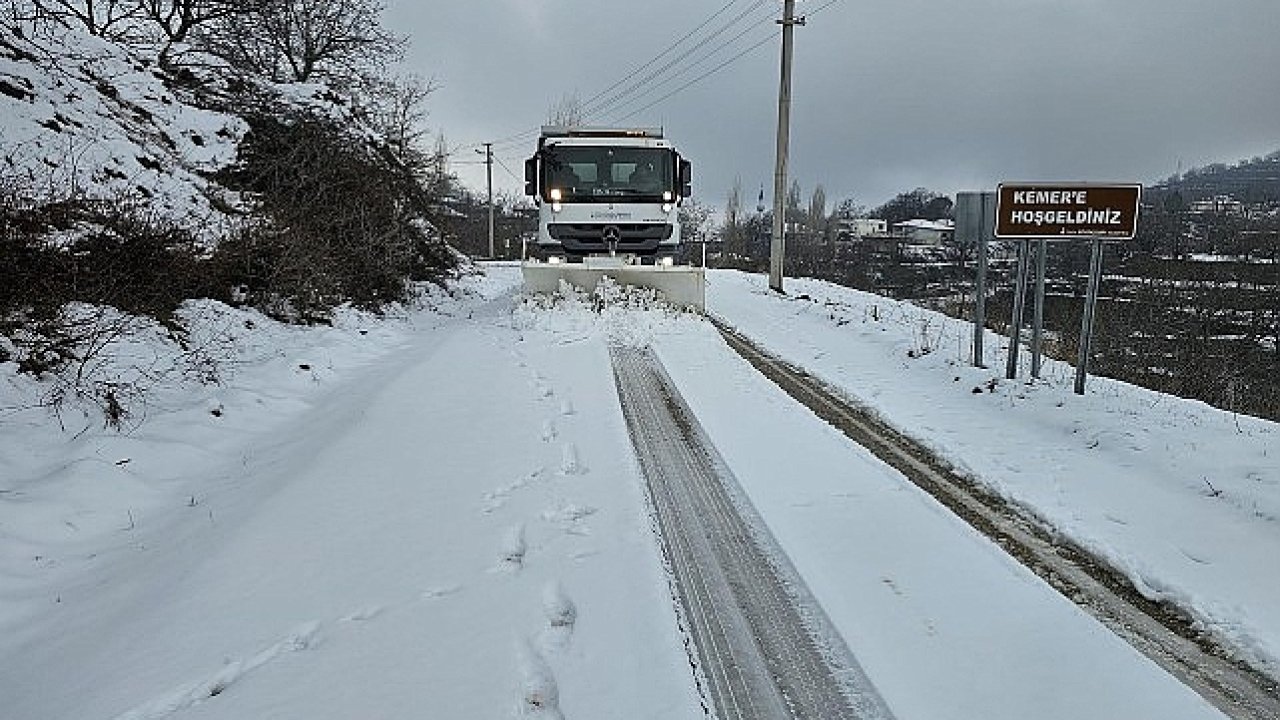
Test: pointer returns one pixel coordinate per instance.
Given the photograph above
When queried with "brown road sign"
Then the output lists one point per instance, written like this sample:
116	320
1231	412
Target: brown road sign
1067	211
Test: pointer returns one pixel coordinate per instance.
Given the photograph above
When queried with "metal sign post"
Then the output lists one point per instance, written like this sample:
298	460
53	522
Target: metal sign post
1037	322
1063	211
1086	325
975	223
980	307
1015	323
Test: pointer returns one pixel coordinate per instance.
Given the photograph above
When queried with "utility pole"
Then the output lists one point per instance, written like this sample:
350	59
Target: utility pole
777	247
488	171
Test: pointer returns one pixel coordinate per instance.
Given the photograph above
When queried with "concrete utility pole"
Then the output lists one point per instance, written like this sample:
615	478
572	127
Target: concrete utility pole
777	247
488	169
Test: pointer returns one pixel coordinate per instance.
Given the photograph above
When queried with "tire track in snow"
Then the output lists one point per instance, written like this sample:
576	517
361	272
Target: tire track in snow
751	622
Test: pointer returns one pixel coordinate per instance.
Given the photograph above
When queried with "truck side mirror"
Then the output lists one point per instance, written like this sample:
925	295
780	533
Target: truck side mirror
531	176
686	178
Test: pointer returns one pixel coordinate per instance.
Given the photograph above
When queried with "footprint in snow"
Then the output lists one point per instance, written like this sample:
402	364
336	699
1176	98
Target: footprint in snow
569	462
368	612
569	518
548	430
561	615
539	694
566	407
303	637
441	591
495	499
512	549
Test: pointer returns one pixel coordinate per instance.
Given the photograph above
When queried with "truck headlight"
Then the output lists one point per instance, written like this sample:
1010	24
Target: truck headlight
556	195
666	207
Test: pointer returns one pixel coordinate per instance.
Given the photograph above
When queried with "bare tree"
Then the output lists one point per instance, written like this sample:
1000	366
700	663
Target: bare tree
304	40
794	207
437	170
177	18
105	18
567	112
401	113
818	208
731	234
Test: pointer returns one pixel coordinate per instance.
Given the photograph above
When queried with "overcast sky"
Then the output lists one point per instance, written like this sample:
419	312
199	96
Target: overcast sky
888	95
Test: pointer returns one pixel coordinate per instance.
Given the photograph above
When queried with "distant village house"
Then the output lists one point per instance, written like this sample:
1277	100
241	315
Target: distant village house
925	232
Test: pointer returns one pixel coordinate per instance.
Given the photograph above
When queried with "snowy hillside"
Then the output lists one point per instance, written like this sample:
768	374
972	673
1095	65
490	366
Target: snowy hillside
88	118
81	117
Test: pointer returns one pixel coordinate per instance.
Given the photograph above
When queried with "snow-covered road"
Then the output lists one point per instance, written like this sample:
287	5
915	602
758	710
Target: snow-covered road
459	530
456	533
943	621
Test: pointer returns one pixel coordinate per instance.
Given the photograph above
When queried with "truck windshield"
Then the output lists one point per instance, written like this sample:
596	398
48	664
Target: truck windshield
607	174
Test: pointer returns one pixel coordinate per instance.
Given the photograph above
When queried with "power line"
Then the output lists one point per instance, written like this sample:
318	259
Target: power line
504	167
659	56
618	101
702	59
697	79
637	85
717	68
525	135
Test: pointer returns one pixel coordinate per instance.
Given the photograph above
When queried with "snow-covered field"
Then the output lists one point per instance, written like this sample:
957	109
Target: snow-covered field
437	514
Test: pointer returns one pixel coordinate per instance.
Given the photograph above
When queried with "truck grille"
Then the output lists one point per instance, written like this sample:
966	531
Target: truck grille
594	232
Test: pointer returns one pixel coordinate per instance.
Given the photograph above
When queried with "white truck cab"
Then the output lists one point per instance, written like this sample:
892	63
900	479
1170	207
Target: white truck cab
607	191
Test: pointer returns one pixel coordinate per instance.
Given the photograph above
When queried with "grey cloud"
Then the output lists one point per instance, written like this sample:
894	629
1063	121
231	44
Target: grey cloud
888	95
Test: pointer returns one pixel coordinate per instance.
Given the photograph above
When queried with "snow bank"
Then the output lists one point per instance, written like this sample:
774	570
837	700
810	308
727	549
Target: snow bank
1181	497
71	481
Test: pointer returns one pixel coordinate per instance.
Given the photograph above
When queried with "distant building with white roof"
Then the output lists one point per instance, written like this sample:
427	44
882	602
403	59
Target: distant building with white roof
856	228
926	232
1218	205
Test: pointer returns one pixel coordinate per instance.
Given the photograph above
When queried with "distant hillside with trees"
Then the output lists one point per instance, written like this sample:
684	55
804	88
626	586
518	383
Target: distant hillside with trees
1252	181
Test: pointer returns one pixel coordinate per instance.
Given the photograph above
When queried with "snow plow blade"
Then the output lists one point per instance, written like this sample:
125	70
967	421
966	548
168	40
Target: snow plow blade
679	285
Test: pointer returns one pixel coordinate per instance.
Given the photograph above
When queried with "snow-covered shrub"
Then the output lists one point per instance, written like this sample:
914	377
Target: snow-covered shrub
340	219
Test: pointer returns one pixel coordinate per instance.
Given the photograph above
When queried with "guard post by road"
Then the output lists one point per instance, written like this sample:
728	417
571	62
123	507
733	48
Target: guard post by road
976	224
1065	211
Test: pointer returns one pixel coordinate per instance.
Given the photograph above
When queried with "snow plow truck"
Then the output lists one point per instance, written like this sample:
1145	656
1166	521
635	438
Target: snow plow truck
608	205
